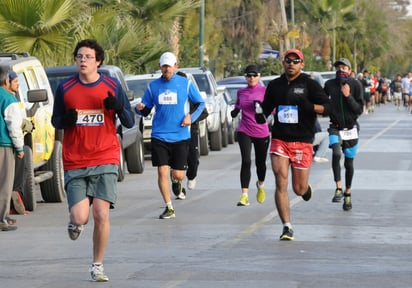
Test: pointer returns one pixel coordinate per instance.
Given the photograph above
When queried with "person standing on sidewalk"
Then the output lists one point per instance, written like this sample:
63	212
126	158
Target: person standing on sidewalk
11	141
294	99
171	95
17	203
346	97
250	132
86	107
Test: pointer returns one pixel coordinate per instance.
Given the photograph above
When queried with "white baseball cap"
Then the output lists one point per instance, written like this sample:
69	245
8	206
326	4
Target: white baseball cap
168	58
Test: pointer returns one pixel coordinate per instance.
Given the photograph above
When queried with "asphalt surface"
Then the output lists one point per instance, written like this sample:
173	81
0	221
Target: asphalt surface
214	243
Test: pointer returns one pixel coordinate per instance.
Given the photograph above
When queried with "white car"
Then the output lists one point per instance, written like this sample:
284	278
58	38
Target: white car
138	84
214	102
267	79
326	75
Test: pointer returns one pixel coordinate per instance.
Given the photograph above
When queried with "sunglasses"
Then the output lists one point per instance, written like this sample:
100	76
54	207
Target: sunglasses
294	61
249	75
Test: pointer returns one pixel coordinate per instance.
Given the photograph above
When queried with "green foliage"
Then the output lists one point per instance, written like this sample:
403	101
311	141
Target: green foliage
135	32
41	27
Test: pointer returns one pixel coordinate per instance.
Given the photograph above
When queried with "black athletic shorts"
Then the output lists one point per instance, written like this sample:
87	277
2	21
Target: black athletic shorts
173	154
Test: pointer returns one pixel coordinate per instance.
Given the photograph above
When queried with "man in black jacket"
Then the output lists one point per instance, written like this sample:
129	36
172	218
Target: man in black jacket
346	97
294	99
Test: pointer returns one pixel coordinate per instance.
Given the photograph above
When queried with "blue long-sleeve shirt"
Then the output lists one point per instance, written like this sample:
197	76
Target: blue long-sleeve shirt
171	98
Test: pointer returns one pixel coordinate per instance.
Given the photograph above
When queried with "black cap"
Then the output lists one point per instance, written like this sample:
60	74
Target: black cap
252	69
343	61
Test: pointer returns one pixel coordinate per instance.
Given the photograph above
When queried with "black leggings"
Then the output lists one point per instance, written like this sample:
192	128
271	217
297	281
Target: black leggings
261	147
349	170
193	154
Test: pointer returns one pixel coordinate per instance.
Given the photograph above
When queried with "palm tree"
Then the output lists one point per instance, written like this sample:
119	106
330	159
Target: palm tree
331	15
45	28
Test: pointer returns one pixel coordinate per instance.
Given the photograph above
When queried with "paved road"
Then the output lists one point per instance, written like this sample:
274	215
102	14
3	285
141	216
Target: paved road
214	243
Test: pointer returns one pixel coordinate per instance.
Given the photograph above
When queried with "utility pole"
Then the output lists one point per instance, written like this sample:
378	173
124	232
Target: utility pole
201	32
284	27
292	18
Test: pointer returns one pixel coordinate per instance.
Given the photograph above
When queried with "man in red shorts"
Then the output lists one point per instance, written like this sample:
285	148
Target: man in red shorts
294	99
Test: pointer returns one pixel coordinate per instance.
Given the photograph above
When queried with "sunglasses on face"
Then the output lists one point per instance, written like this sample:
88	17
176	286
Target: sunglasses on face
249	75
294	61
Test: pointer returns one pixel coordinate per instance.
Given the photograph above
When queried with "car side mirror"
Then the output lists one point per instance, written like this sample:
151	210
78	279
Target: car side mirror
37	95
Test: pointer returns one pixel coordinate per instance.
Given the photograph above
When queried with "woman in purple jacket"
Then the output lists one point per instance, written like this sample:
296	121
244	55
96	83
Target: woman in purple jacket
250	132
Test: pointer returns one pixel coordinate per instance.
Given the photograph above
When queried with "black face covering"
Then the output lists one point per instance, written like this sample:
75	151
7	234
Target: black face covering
342	76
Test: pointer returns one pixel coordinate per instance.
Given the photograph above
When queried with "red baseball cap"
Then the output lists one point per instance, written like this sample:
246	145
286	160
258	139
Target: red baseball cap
294	51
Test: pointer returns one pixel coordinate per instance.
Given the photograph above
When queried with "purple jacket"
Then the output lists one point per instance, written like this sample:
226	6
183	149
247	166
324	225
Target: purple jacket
245	102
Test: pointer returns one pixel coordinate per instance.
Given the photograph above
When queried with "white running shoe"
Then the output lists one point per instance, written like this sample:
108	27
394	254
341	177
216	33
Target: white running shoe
97	273
182	195
191	184
320	159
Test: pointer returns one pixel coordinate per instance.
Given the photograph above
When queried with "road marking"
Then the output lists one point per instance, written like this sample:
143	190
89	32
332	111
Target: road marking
373	138
272	215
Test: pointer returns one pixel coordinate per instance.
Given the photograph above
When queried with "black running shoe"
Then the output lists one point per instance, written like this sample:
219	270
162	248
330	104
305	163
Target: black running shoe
347	203
338	195
287	234
177	187
168	213
308	193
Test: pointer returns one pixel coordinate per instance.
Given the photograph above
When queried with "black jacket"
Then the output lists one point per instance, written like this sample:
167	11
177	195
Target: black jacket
344	110
281	92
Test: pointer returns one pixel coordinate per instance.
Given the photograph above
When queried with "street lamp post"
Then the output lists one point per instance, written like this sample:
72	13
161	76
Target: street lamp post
201	32
292	18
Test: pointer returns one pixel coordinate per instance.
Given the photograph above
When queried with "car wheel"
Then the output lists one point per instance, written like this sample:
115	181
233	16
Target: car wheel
121	169
225	133
216	139
52	190
203	140
230	133
135	156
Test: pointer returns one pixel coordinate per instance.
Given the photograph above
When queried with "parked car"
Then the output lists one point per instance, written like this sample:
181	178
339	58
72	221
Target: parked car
232	123
131	139
232	86
236	80
42	147
317	76
138	84
267	79
326	75
214	102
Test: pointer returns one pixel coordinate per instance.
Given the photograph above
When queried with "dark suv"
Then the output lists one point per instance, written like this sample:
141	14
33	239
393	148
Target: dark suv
131	139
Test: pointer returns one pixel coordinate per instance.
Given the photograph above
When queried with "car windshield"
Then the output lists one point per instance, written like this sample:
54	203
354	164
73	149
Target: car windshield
202	83
55	80
233	92
138	86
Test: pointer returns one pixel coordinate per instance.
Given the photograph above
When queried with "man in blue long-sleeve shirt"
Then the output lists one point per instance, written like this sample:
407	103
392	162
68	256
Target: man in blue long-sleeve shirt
170	95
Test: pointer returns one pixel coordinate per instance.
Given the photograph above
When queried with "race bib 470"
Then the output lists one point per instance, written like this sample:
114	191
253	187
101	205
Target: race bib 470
90	118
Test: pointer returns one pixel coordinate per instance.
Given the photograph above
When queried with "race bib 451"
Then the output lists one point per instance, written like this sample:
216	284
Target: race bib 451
288	114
